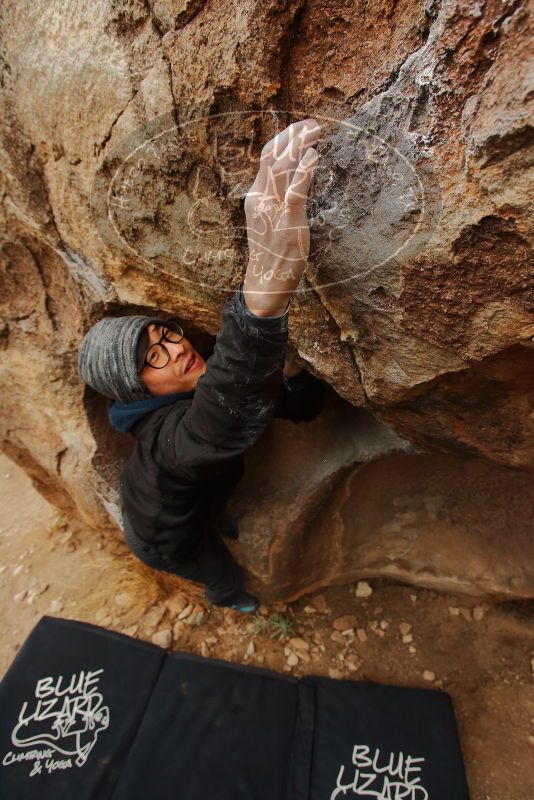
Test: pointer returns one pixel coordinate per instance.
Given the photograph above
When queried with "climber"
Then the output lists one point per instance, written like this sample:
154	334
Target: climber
193	419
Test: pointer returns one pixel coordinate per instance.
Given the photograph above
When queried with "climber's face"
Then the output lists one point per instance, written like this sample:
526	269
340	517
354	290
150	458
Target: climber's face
182	370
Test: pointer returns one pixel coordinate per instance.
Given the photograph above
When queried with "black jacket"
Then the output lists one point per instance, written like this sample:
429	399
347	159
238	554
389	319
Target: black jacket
188	455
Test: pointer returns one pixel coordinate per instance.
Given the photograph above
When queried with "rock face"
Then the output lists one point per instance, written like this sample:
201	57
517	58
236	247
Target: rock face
344	499
131	133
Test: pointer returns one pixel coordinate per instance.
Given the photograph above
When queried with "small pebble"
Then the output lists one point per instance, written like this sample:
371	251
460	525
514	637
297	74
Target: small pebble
56	606
299	644
407	638
338	637
405	627
124	600
292	660
478	613
361	634
454	611
363	589
342	623
177	603
162	638
319	601
428	675
185	613
335	673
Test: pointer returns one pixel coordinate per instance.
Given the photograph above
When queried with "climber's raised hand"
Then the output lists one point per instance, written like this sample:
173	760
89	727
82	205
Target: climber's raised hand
277	225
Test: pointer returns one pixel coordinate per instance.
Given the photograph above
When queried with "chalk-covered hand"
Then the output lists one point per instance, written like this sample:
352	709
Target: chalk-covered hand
277	225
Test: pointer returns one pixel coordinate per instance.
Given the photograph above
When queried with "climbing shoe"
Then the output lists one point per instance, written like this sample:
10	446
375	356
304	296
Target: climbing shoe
239	602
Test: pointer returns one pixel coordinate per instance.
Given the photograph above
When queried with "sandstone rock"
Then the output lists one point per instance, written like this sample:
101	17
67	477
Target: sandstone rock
186	611
299	645
342	623
196	617
176	604
337	636
153	616
179	629
417	301
124	600
163	638
100	614
465	613
335	673
319	601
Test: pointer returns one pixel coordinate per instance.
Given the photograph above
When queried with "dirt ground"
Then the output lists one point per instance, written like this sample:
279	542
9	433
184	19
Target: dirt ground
479	652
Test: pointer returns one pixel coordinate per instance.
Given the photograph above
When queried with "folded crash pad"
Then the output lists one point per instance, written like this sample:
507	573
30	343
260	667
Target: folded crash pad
91	714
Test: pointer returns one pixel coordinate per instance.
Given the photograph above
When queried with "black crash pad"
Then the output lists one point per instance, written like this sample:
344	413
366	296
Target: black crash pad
90	714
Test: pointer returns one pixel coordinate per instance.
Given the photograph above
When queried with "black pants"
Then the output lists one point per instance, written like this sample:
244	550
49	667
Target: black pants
212	565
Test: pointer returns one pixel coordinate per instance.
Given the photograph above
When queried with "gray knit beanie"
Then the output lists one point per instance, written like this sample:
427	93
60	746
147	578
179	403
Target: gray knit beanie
107	359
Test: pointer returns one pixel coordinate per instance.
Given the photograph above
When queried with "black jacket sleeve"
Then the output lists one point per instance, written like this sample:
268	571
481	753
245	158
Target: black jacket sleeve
234	400
301	399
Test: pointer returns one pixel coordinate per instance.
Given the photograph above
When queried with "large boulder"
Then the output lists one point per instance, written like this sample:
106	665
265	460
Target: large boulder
343	498
131	133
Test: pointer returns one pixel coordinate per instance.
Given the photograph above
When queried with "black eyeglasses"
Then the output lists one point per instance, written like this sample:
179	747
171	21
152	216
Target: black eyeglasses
157	356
